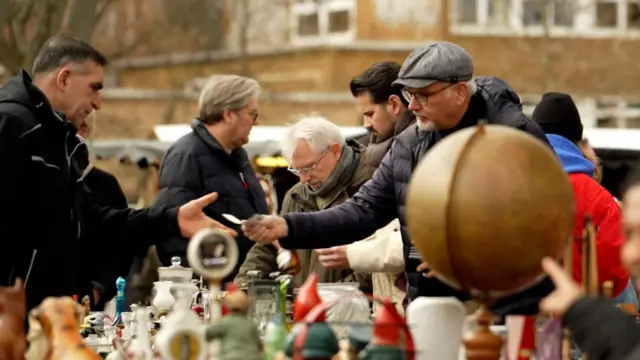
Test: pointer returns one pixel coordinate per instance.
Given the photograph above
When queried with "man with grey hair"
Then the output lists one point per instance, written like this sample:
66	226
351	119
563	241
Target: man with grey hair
211	159
437	82
330	170
45	205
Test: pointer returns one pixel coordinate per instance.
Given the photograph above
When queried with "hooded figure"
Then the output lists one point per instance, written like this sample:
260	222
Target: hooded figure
558	116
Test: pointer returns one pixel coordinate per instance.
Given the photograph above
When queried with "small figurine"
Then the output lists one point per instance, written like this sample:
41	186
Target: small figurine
86	303
120	303
320	341
140	346
391	339
59	320
93	324
13	310
359	336
239	335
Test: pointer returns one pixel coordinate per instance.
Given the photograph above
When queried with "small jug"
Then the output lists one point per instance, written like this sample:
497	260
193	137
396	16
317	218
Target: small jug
163	301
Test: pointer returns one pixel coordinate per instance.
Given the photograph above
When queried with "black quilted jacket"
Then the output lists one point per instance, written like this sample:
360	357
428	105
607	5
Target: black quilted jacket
382	199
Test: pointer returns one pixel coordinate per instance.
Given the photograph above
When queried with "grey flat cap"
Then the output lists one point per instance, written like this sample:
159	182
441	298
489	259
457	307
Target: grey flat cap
439	61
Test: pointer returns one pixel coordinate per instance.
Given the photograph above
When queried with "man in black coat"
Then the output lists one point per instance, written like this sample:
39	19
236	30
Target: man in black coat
211	159
44	204
438	85
106	192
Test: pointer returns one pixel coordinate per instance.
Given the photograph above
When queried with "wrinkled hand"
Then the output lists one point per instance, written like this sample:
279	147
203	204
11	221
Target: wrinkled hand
424	267
265	229
567	291
191	219
334	257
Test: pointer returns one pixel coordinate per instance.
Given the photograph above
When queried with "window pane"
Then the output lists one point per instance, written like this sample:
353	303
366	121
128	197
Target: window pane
563	13
499	12
308	25
607	14
606	114
633	120
338	21
633	14
466	12
532	12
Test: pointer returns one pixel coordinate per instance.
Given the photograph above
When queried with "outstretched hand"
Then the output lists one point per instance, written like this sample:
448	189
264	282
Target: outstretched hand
334	257
265	229
567	291
192	219
424	269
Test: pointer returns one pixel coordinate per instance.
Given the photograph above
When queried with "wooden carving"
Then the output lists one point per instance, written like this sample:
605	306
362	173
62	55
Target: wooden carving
57	331
13	311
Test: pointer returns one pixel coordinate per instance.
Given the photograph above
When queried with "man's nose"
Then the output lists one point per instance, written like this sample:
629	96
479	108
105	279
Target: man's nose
367	122
97	102
413	104
304	178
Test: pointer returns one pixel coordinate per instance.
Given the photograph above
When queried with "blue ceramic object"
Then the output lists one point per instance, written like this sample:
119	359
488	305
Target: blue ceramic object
120	303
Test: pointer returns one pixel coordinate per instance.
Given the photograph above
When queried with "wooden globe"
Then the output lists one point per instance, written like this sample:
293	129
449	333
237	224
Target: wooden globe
485	205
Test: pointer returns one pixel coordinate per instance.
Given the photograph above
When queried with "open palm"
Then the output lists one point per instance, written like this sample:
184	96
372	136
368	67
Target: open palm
192	219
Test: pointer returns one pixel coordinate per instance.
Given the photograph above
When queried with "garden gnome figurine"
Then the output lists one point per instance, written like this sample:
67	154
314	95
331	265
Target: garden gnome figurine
359	336
307	298
387	342
315	340
238	334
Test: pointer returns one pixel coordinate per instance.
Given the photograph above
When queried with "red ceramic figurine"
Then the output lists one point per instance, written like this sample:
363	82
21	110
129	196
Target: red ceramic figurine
13	311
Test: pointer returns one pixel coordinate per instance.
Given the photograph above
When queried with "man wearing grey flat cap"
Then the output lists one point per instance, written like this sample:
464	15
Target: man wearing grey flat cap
438	83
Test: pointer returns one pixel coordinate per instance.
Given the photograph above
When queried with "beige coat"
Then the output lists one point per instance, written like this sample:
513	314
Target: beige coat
381	254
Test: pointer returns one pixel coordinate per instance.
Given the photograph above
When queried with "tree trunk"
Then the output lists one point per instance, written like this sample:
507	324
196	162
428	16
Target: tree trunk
82	18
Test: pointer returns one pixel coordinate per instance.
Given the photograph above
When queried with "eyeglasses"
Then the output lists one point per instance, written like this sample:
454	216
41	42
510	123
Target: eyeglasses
307	170
421	98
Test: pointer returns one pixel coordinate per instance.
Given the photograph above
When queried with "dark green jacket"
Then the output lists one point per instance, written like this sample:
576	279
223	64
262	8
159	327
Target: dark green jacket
298	199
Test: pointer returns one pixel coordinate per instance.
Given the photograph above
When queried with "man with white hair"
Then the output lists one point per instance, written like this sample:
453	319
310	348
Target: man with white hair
211	159
330	170
437	81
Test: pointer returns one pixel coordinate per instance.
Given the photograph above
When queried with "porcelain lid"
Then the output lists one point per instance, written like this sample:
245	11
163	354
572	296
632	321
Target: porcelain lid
176	272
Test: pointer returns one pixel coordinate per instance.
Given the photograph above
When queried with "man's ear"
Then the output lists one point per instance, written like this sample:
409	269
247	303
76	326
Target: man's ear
395	106
62	79
462	93
335	148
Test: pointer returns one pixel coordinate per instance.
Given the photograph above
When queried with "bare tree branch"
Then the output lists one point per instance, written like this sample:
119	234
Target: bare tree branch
82	18
5	6
102	8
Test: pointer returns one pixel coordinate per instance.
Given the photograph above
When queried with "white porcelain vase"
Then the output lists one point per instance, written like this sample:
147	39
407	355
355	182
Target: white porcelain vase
163	301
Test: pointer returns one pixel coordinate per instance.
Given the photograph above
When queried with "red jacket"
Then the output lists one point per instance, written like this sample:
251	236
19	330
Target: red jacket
592	198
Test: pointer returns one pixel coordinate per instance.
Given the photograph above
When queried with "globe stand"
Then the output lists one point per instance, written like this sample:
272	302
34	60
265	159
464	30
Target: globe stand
482	343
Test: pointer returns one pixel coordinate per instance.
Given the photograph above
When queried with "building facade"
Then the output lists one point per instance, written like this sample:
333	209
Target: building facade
304	52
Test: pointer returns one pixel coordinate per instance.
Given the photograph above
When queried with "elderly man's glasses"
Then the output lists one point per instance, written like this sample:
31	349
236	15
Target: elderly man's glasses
421	98
307	170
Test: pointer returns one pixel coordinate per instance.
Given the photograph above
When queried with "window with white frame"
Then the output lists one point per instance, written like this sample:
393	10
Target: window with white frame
578	16
622	114
324	20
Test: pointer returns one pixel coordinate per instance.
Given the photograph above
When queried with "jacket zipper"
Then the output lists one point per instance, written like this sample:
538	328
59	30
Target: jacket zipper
68	156
244	183
33	260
